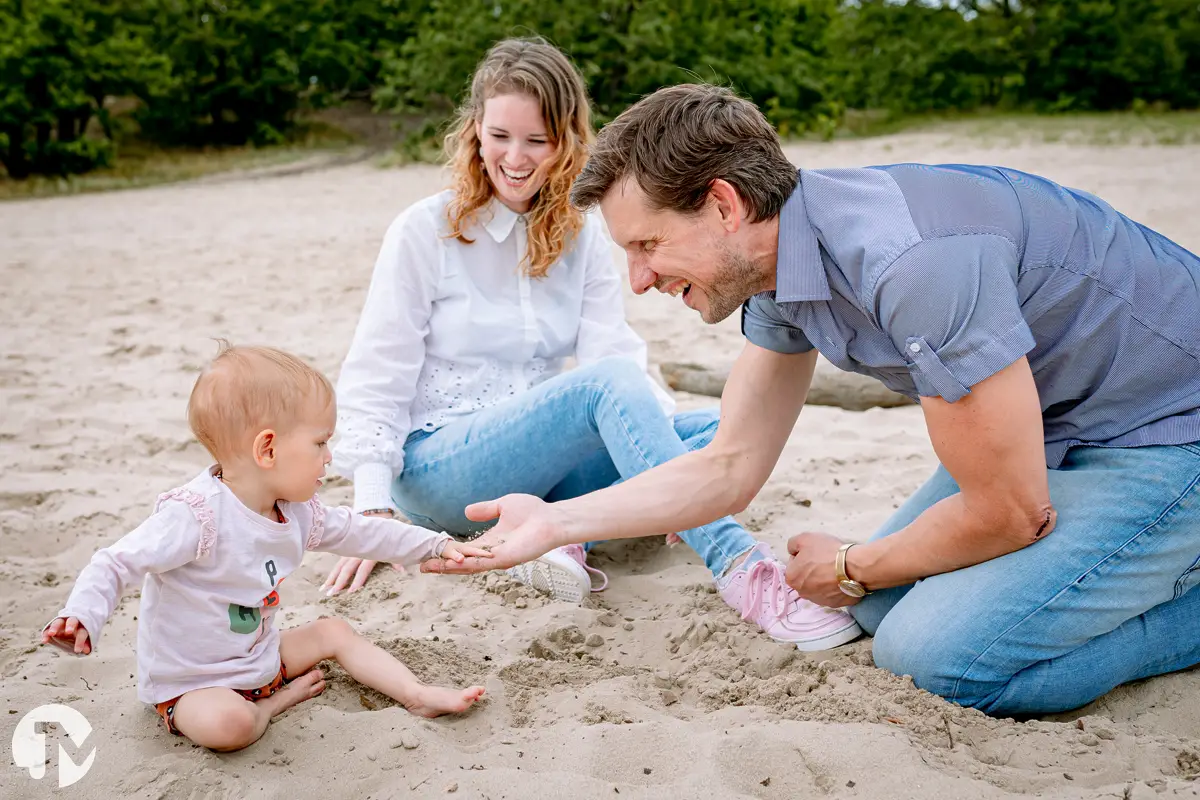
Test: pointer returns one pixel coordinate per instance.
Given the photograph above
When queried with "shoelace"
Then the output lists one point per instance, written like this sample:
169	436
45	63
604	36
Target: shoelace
766	579
577	552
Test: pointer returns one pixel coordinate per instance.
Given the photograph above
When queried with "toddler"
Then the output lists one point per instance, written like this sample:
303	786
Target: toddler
215	551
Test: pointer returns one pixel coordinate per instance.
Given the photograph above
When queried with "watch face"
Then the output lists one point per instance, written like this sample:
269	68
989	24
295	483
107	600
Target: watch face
852	588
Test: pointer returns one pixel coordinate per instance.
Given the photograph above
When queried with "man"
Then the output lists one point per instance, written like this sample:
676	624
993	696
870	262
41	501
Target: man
1054	347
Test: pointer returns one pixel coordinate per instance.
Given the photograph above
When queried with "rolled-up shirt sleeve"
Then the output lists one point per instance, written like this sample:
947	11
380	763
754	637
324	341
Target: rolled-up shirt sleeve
951	308
765	326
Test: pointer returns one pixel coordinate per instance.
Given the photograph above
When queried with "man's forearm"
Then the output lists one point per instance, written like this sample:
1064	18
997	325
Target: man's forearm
946	537
688	491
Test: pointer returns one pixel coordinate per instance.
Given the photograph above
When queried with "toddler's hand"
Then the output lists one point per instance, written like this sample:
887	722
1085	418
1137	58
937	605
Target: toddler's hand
68	633
457	552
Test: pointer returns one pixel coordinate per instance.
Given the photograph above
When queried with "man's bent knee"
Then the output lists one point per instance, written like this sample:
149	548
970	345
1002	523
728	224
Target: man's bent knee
871	610
937	660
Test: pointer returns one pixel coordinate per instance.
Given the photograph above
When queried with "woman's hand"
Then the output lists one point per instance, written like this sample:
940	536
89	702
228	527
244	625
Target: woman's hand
528	527
68	633
354	571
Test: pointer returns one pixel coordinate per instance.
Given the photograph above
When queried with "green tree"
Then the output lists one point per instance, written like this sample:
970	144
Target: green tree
233	78
242	69
1107	54
59	61
768	50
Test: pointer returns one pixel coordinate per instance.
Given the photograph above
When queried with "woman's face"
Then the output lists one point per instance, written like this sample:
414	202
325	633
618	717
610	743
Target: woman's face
514	143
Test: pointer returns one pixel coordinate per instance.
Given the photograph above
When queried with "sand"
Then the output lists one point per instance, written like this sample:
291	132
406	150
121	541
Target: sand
651	689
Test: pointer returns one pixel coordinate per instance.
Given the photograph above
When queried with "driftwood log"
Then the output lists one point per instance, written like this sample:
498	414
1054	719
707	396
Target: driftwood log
830	386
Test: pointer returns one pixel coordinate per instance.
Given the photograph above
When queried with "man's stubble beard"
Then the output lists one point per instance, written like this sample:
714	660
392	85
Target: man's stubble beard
738	280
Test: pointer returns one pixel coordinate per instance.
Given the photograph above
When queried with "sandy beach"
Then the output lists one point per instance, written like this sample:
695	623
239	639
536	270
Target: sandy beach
652	689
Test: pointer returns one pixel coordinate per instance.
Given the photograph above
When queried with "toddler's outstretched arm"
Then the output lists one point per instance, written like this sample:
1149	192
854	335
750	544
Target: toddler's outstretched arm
384	539
165	541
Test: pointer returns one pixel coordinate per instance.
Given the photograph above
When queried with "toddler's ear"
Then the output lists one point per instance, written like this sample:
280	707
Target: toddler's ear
264	449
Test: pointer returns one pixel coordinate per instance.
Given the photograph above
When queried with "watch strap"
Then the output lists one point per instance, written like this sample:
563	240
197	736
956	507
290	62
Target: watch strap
840	561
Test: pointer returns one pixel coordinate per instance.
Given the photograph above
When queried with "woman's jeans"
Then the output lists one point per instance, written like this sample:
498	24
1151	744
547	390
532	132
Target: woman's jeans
1106	598
580	431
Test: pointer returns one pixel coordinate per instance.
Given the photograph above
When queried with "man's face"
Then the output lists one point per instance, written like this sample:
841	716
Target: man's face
693	257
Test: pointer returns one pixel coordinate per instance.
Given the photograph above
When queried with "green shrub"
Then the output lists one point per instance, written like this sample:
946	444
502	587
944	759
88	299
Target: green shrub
768	50
231	72
59	61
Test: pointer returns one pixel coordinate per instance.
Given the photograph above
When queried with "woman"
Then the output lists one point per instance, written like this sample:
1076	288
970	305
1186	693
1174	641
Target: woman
454	387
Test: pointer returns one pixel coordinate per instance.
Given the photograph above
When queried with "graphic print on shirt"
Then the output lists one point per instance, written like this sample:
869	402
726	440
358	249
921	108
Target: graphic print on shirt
244	619
272	600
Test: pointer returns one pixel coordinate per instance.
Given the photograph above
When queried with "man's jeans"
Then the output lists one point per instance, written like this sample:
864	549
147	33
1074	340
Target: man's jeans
575	433
1104	599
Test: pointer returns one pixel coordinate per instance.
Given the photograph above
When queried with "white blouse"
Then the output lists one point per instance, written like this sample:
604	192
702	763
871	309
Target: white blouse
450	328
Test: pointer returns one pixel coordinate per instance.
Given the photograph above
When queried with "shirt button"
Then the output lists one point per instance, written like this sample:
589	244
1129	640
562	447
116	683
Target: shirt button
914	348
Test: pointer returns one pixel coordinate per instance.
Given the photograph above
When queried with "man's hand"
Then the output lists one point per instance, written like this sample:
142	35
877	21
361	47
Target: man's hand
68	633
528	527
812	571
354	571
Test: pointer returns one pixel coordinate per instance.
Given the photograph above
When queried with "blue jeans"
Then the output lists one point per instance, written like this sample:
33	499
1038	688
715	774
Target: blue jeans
577	432
1105	599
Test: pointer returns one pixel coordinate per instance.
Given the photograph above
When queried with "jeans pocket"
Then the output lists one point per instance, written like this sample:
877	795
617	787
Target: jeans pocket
1188	579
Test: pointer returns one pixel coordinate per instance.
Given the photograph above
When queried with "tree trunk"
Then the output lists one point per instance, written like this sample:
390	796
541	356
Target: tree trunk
67	127
15	162
42	135
830	386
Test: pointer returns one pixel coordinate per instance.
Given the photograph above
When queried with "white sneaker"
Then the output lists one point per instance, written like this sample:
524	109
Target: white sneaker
563	573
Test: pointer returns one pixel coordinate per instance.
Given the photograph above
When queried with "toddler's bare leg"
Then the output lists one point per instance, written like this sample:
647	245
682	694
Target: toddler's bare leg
301	648
223	720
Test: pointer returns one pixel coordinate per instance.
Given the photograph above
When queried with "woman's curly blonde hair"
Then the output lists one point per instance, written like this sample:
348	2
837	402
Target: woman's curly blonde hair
533	67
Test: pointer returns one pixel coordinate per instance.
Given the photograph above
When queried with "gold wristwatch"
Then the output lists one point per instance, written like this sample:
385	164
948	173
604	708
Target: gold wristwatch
848	585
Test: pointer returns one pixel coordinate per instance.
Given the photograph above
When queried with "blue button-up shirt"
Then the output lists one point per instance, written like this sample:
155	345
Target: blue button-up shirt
932	278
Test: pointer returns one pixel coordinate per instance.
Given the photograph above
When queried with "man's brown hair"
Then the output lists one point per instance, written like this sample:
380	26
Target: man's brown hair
680	139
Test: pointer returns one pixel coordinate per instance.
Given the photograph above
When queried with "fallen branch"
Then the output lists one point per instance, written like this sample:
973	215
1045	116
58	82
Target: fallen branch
830	387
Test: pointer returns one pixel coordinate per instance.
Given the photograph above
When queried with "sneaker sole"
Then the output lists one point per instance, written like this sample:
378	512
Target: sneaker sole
559	581
829	641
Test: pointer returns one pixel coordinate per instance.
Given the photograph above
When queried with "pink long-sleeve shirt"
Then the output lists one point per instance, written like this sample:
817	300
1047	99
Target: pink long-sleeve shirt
210	568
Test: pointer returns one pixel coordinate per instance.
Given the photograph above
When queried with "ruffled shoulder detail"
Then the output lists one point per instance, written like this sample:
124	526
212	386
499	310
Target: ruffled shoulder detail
317	532
200	510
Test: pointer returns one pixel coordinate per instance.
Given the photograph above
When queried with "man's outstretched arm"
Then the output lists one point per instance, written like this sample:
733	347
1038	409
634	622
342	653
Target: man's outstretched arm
762	399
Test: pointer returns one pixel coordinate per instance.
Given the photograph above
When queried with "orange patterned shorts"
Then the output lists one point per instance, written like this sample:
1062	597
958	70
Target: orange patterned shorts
166	709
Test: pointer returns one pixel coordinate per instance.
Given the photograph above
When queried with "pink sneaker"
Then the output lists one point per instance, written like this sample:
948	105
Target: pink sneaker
563	573
761	595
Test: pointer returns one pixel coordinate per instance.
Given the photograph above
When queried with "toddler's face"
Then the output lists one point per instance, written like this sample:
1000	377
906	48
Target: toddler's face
302	453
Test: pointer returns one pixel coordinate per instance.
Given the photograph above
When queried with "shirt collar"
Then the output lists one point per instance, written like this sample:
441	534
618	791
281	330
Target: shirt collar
503	219
799	270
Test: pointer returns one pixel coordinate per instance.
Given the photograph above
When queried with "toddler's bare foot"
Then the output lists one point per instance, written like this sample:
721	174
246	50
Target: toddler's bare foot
434	701
306	687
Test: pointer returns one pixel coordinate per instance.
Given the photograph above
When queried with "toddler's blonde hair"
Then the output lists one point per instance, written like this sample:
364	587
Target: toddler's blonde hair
247	389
